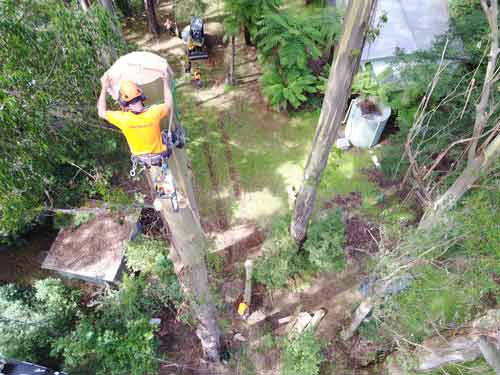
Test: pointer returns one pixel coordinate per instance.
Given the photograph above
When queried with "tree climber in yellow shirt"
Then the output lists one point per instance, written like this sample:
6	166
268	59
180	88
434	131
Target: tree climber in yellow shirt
141	127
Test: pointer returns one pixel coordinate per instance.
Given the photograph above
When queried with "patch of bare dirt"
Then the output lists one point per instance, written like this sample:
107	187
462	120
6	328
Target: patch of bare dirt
347	201
22	264
179	343
361	236
377	177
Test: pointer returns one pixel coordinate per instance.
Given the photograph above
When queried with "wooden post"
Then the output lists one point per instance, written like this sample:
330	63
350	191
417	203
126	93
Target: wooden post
343	69
248	282
232	68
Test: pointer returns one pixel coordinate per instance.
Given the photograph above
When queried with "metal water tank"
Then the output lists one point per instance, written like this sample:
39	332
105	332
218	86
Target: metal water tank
364	130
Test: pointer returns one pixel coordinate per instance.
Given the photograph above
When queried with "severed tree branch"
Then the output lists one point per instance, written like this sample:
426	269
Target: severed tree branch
482	115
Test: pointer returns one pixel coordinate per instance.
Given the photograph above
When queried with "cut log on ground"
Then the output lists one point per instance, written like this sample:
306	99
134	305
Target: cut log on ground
440	351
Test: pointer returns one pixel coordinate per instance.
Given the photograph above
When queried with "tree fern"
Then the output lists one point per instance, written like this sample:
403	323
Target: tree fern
287	42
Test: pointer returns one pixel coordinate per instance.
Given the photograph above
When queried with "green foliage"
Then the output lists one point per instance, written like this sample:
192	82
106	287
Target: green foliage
302	355
246	14
72	221
185	9
143	254
453	284
468	23
324	243
366	85
116	338
281	260
52	57
215	263
31	320
435	300
287	45
267	343
482	237
449	121
149	257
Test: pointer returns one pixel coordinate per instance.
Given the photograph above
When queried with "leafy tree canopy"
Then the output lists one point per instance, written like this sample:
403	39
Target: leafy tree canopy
53	148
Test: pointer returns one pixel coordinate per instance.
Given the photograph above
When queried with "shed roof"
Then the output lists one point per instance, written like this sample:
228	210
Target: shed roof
411	25
93	251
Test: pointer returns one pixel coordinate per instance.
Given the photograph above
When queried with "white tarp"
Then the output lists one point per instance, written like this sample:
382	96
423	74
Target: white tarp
139	67
412	25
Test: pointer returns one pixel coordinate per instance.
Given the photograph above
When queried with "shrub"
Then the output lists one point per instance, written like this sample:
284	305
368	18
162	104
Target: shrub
142	254
452	120
302	355
324	243
116	338
281	259
31	320
246	14
453	285
149	257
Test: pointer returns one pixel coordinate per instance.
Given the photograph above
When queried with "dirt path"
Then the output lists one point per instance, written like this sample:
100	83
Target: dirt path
22	264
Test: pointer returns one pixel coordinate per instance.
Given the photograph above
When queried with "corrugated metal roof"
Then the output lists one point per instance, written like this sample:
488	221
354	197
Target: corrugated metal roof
411	25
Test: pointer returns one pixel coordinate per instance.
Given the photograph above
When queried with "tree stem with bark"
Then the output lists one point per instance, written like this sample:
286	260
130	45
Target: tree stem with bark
477	163
482	114
153	25
344	67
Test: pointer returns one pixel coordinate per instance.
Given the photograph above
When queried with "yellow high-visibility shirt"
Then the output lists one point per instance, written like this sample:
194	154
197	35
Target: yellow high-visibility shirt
142	130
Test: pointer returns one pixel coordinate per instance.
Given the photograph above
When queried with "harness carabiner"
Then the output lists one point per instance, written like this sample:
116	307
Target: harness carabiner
134	166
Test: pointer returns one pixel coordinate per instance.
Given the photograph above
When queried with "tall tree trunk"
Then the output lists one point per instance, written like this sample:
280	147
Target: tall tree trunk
153	25
477	164
482	114
189	247
474	170
343	69
248	37
125	7
85	5
108	5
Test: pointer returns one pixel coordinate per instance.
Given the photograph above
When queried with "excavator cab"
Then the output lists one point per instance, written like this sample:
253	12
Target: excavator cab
196	48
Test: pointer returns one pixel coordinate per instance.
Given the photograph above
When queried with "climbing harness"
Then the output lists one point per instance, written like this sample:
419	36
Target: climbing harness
165	187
